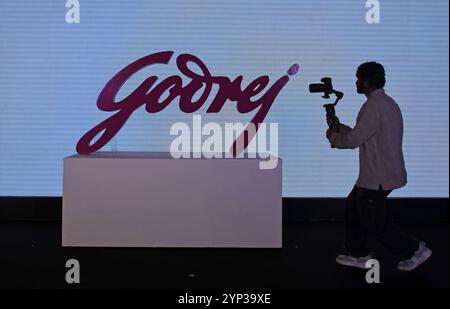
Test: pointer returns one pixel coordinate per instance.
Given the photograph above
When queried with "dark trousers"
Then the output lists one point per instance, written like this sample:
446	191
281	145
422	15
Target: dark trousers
366	212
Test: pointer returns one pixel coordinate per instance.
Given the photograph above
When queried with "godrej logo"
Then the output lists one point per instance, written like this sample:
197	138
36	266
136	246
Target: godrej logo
203	81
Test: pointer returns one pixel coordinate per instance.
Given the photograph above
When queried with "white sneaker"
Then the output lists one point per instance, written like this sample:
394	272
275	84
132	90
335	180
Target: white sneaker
359	262
420	256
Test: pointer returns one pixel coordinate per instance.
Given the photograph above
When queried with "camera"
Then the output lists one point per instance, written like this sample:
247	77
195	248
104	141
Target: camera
326	87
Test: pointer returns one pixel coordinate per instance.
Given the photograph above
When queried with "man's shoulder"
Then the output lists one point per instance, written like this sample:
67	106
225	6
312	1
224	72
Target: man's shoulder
376	101
384	96
384	106
370	103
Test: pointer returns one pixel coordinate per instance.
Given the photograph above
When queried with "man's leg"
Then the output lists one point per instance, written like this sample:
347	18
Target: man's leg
355	232
376	217
355	236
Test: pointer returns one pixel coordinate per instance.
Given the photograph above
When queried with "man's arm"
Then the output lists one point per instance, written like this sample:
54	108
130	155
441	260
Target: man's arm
344	128
366	126
331	120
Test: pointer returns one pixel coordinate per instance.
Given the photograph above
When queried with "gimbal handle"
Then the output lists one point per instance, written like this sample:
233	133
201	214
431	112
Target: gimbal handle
331	112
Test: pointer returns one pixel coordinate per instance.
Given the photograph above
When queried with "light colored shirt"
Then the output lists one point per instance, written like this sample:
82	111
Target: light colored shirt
378	134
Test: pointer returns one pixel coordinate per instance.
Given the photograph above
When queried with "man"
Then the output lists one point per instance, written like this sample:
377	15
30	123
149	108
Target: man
378	134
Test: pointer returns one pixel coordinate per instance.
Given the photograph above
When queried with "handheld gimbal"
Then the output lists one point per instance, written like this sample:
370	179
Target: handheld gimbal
327	88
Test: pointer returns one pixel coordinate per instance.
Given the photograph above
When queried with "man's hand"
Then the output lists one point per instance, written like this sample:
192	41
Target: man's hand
332	120
329	133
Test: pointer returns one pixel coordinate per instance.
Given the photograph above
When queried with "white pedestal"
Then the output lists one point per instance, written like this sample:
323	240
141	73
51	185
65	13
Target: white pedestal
126	199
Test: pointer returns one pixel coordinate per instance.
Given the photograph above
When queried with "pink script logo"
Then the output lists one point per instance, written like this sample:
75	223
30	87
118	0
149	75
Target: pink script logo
228	89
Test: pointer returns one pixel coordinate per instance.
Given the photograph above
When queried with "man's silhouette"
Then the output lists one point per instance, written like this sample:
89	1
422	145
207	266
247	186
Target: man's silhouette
378	134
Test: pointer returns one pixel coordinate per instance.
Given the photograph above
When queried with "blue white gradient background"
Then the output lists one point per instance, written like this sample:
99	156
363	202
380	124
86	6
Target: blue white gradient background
51	73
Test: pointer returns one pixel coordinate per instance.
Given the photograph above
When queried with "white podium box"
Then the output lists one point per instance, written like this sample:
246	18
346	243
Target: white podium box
136	199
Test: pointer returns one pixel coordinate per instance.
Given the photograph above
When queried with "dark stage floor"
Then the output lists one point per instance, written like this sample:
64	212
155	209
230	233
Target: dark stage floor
31	257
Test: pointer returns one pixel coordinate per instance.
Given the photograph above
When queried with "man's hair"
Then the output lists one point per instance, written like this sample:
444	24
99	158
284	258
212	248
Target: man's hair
373	73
